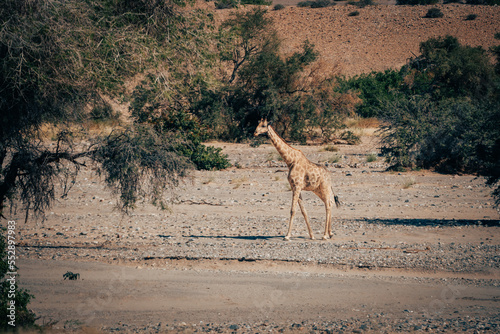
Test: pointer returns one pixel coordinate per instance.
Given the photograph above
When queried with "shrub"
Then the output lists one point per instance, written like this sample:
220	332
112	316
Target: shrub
226	4
361	3
471	17
434	13
447	69
104	113
185	130
316	3
278	7
355	13
371	157
416	2
372	89
25	318
483	2
256	2
448	136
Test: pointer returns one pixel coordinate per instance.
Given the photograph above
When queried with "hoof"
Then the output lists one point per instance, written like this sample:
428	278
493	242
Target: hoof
325	237
313	238
287	238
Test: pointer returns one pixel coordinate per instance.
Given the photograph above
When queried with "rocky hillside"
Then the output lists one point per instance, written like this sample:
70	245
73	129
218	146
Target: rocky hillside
380	37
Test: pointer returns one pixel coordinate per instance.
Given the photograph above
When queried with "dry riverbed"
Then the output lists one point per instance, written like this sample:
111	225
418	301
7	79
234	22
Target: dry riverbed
416	251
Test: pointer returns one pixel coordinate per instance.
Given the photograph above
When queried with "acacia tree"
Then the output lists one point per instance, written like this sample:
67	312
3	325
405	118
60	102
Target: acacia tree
290	90
448	118
57	60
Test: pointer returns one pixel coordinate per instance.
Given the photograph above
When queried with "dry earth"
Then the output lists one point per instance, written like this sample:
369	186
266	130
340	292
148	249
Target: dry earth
414	251
381	37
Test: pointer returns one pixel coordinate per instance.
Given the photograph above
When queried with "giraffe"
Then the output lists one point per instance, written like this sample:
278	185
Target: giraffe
302	175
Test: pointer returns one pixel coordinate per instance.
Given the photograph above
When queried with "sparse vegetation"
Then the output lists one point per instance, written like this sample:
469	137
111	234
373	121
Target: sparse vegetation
278	7
354	13
434	13
372	157
408	183
292	92
448	119
372	90
483	2
104	44
361	3
316	3
417	2
331	148
334	159
23	316
471	17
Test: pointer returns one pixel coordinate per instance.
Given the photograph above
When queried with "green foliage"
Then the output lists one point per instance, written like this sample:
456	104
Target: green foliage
286	90
373	89
447	69
178	124
316	3
361	3
355	13
471	17
226	4
448	136
104	113
256	2
496	52
483	2
24	317
139	163
278	7
434	13
372	157
416	2
447	113
57	58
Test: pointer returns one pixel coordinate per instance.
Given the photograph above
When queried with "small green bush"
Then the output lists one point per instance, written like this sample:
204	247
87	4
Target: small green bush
471	17
316	3
256	2
226	4
355	13
103	113
361	3
434	13
24	318
416	2
483	2
278	7
371	157
372	89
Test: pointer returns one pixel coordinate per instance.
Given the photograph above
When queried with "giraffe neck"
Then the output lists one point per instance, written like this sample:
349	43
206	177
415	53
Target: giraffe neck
289	154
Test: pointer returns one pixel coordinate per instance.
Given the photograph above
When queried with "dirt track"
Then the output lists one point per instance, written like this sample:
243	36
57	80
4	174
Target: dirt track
410	251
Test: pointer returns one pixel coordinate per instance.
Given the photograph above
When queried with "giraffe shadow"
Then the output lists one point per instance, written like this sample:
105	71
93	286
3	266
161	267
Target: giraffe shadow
435	222
237	237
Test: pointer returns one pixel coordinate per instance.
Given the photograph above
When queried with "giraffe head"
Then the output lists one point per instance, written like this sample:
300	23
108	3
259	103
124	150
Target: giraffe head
261	128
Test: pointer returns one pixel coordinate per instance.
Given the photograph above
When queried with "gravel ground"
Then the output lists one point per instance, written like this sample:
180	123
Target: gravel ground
422	227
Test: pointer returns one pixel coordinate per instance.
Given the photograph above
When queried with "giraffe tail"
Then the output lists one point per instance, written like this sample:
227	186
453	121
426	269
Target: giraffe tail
337	202
336	199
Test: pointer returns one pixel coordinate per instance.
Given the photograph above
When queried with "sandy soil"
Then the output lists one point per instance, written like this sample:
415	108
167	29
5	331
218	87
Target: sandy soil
381	37
411	251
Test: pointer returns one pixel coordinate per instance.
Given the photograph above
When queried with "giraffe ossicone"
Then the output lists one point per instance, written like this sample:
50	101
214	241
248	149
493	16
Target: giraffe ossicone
302	175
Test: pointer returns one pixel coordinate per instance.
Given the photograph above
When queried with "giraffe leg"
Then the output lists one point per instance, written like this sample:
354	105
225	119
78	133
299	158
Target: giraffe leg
328	207
295	199
304	213
328	224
